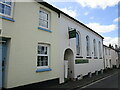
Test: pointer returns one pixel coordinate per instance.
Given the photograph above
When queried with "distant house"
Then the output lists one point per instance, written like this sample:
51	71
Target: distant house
110	57
118	52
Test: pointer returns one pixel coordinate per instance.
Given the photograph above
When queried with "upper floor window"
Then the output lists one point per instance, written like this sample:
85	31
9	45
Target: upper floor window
6	7
100	55
44	18
94	45
43	56
88	45
77	43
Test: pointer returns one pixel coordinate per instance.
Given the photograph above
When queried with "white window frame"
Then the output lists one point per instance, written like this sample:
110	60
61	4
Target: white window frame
48	13
12	5
48	47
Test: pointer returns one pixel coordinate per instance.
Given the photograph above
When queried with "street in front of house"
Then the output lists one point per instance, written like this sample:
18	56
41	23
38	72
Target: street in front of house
108	82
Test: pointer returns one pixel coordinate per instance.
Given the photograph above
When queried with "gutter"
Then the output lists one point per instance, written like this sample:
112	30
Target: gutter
59	11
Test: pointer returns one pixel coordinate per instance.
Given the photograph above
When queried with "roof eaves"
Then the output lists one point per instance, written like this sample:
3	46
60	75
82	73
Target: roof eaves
59	11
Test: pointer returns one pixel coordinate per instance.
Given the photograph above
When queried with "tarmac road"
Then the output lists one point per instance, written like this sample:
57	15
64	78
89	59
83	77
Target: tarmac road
112	81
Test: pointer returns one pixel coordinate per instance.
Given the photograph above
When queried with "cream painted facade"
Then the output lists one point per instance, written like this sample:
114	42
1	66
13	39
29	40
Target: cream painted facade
24	36
110	57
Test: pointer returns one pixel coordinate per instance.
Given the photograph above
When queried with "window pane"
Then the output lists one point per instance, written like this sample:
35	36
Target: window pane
7	10
38	61
8	2
42	49
45	60
0	8
42	61
43	23
3	6
45	52
43	19
43	16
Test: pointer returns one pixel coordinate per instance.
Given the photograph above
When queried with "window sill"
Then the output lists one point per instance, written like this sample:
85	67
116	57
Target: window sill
44	29
100	58
95	57
43	70
79	57
88	57
7	18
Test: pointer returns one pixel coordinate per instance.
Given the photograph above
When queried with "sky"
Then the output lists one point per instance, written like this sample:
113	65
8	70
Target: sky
100	15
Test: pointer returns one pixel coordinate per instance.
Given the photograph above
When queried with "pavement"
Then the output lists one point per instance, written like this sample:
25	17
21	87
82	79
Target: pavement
73	85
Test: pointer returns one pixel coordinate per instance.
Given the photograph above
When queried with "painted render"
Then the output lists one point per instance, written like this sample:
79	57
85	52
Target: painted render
110	57
66	43
24	37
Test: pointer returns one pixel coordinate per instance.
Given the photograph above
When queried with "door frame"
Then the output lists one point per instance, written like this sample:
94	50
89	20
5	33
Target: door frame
69	56
4	43
0	65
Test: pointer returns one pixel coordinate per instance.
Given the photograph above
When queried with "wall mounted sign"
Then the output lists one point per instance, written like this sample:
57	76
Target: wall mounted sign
72	33
81	61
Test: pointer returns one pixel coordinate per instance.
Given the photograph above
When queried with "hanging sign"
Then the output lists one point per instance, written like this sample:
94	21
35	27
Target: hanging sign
72	33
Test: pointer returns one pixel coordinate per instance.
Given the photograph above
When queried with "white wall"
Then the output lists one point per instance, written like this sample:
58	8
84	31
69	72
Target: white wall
65	42
113	56
107	57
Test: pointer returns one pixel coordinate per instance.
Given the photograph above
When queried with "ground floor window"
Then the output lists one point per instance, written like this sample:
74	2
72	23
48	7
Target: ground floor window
43	56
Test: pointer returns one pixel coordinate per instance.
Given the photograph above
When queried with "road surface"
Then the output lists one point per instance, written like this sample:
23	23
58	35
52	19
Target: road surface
112	81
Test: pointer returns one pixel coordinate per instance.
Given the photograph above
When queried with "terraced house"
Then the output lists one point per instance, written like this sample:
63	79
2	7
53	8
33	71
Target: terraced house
29	43
110	57
40	43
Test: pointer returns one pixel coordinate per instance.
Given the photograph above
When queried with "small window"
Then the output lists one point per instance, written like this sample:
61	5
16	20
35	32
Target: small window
6	7
44	18
43	56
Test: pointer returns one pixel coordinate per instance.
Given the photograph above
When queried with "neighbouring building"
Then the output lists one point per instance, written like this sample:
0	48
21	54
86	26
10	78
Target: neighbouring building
80	49
118	52
110	57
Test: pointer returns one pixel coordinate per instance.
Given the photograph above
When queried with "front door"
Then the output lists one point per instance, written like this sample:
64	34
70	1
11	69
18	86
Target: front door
110	64
4	52
0	65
